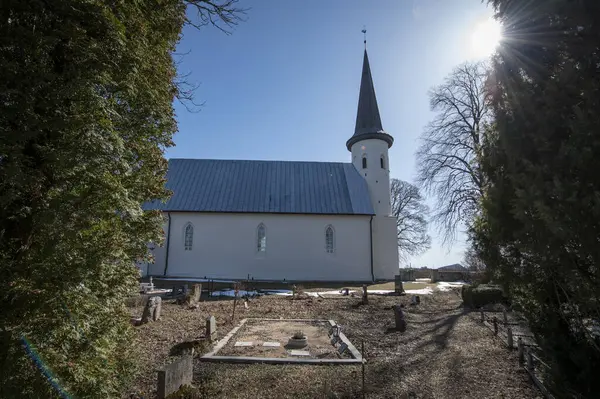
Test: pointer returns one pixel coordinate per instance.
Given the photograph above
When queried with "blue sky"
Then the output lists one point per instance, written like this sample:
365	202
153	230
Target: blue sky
284	85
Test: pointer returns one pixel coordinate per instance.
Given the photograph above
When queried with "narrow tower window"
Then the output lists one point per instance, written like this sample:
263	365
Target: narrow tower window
189	237
364	162
261	238
329	240
382	159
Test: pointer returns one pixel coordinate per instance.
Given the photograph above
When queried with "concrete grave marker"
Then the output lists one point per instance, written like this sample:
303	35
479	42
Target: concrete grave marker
272	344
196	293
334	340
343	348
295	352
243	343
399	318
211	328
172	376
152	309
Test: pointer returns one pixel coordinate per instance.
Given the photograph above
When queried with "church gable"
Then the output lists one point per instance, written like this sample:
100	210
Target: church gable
205	185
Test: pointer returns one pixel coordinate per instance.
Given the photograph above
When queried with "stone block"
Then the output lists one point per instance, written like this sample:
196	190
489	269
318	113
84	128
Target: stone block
172	376
152	309
211	328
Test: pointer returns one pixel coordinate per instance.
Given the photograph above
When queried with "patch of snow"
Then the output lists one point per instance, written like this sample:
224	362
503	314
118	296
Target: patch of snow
447	286
231	293
423	280
380	292
424	291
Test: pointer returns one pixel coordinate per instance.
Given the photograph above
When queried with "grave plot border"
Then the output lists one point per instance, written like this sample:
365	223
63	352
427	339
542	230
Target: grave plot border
213	356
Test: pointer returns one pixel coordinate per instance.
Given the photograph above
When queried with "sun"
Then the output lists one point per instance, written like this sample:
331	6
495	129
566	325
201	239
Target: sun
485	37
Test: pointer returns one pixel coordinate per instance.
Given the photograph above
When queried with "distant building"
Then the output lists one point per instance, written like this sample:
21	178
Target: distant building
275	220
456	267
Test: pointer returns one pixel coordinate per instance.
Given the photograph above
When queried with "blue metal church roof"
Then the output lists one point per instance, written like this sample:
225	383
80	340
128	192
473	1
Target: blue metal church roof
211	185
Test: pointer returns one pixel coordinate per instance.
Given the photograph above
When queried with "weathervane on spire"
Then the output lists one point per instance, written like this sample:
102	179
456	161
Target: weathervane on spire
364	31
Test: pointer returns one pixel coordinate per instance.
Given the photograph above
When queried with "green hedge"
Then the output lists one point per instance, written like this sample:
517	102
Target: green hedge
479	295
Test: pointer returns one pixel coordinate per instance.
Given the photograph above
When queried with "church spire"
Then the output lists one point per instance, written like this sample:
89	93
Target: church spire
368	120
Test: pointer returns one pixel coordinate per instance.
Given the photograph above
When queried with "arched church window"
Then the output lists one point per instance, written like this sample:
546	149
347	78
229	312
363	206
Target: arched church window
364	162
329	243
261	238
382	159
189	237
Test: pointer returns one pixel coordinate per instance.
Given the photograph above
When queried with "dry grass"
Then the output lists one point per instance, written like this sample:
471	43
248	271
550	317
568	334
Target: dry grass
443	354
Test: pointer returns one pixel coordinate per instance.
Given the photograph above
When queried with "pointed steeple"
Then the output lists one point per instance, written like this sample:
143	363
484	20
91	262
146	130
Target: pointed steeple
368	120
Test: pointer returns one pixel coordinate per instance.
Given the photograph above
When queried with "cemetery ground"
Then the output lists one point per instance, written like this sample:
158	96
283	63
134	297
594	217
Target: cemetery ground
445	351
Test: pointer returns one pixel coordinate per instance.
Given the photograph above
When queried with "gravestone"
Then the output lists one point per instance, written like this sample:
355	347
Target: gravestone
272	344
196	293
152	309
343	348
211	328
398	287
172	376
243	343
295	352
399	318
365	298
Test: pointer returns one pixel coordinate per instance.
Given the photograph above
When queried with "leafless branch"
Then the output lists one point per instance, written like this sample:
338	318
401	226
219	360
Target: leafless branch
222	14
448	159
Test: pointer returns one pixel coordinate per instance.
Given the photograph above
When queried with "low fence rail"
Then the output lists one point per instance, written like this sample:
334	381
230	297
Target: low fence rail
528	351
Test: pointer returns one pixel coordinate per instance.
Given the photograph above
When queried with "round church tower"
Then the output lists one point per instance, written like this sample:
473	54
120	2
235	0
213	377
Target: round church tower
370	143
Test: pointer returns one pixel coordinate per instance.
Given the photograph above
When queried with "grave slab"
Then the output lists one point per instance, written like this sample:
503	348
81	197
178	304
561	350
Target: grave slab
272	344
295	352
243	343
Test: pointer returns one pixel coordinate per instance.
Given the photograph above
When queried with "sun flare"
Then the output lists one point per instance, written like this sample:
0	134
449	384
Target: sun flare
485	38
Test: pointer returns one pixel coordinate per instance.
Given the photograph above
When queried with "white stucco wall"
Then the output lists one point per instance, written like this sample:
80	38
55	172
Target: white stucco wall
378	179
385	248
225	247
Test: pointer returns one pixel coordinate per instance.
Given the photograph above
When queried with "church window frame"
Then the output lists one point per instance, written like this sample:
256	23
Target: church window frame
188	236
261	238
364	161
329	239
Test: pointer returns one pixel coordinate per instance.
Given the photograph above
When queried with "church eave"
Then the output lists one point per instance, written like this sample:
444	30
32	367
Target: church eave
366	136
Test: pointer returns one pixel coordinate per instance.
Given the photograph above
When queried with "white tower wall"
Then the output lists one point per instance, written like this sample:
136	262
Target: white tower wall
377	178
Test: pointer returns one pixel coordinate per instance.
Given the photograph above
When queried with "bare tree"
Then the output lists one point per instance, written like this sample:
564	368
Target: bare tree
409	208
448	159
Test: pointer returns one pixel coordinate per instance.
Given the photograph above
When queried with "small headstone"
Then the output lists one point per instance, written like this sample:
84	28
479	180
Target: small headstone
334	340
196	293
413	300
418	299
211	328
365	298
295	352
246	304
399	318
243	343
152	309
343	347
174	375
272	344
398	287
157	308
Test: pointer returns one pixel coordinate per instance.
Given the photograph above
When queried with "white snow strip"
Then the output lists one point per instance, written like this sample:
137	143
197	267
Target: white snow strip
424	291
380	292
447	286
423	280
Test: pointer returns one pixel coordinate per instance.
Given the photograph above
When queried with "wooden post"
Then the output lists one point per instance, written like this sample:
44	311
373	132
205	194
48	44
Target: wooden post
529	360
495	320
482	316
520	349
365	298
364	358
505	316
509	337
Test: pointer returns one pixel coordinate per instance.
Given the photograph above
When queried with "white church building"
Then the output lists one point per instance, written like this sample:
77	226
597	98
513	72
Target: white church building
284	220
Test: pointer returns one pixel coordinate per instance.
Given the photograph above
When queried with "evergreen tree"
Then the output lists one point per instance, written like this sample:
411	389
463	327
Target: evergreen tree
540	227
86	90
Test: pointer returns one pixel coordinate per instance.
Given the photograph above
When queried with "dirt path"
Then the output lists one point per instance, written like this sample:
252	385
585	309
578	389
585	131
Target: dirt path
445	353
